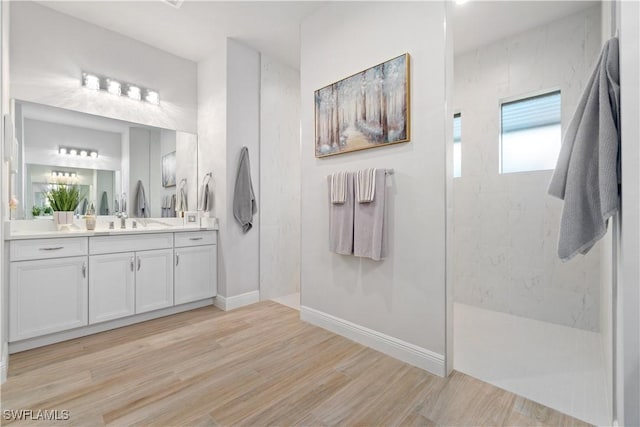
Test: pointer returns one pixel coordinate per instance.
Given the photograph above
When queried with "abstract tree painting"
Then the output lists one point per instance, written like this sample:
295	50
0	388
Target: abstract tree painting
366	110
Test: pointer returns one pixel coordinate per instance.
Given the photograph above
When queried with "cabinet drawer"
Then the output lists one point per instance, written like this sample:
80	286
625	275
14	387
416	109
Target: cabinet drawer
196	238
23	250
129	242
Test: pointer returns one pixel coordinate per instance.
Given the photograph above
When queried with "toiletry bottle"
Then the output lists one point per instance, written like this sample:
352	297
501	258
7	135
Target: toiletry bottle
90	218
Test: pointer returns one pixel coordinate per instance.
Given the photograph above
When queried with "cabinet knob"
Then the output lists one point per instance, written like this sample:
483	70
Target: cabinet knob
177	259
138	263
131	263
84	270
57	248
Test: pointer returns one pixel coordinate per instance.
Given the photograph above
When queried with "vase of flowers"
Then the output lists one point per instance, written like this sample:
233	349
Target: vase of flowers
64	199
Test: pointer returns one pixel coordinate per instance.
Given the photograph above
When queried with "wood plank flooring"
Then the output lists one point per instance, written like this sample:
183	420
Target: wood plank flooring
255	366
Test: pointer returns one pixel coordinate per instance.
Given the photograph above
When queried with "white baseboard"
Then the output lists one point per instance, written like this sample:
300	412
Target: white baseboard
236	301
394	347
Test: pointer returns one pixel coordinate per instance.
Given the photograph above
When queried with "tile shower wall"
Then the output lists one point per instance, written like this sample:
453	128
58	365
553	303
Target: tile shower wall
506	226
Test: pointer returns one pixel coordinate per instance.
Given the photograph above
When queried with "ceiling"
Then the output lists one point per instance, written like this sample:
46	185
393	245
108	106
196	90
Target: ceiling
273	27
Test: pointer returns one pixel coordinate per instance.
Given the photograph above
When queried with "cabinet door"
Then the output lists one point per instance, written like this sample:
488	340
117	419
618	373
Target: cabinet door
154	280
47	296
196	273
111	286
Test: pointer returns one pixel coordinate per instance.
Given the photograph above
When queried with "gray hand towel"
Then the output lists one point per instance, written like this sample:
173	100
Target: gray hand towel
369	229
142	207
205	202
587	173
244	200
182	200
341	219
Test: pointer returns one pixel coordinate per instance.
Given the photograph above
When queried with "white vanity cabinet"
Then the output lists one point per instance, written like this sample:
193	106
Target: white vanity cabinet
47	286
195	270
111	286
67	287
154	280
133	282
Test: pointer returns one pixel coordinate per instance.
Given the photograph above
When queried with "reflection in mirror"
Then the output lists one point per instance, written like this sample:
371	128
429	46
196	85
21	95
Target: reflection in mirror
120	167
96	187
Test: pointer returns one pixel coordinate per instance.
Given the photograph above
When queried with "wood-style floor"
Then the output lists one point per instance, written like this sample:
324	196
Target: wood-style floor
255	366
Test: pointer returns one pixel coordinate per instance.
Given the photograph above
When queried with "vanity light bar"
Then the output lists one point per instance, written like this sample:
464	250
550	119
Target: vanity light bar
64	174
115	87
82	152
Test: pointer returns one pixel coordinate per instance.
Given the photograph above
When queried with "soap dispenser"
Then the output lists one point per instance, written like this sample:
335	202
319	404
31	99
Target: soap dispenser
90	218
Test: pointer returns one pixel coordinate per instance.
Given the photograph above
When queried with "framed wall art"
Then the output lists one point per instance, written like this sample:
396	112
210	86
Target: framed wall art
366	110
169	170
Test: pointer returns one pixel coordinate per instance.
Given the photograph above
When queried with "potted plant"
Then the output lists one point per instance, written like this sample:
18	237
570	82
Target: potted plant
64	199
36	211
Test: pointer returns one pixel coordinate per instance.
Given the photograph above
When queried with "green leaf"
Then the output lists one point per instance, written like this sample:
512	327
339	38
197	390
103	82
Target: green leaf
64	197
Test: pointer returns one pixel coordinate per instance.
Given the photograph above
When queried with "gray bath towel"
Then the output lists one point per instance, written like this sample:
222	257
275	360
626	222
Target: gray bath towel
341	219
141	206
104	204
587	173
244	201
369	229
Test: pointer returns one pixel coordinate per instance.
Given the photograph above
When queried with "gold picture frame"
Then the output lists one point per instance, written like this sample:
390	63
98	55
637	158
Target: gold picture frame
368	109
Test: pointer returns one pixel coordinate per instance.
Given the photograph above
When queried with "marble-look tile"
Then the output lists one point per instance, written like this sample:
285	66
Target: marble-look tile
506	226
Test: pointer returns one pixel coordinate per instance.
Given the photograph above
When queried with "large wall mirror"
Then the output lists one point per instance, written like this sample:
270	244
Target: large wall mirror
111	161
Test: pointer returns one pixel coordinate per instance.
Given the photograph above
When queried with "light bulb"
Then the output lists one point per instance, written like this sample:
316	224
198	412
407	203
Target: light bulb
83	153
94	154
62	150
134	93
152	97
114	87
91	82
73	151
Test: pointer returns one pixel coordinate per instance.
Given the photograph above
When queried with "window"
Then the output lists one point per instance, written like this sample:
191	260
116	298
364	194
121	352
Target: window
530	133
457	145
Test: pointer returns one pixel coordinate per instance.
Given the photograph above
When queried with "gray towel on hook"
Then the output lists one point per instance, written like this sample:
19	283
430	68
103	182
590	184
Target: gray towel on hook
182	200
104	204
341	218
205	202
587	174
369	228
244	200
141	207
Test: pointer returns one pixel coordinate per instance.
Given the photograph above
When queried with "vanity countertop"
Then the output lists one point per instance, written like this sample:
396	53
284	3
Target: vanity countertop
29	229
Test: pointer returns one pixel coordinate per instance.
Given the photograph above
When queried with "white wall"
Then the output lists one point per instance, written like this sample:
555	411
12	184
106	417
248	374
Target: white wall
402	297
50	50
628	350
242	252
505	225
4	190
228	119
42	139
212	140
279	179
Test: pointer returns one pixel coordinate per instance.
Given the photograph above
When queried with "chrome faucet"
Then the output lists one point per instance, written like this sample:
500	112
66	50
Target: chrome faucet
123	220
